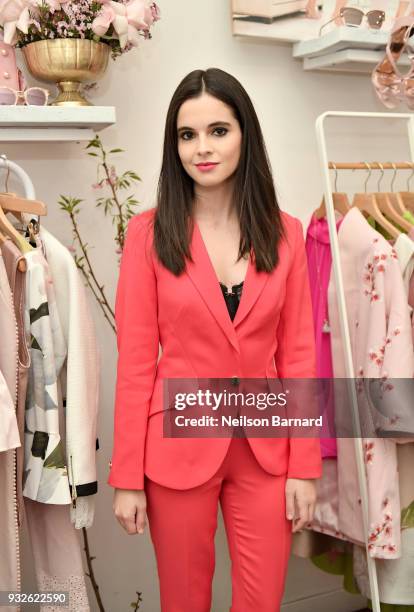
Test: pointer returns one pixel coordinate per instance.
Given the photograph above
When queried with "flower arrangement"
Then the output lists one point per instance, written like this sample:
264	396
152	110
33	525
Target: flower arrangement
118	23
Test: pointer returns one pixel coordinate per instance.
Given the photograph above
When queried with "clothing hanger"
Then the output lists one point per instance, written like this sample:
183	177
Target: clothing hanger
385	205
340	201
408	196
10	202
396	197
366	202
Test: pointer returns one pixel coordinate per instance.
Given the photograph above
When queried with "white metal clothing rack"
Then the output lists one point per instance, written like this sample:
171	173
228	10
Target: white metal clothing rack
350	373
29	190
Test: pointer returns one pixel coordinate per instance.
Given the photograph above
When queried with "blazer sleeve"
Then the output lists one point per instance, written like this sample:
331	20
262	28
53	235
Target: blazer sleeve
296	353
138	344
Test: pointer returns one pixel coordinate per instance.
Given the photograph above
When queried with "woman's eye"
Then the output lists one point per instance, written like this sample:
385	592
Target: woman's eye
222	131
184	135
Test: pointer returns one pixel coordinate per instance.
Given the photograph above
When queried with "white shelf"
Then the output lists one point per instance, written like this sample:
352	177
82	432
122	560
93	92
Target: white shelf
361	61
53	123
340	38
282	30
340	49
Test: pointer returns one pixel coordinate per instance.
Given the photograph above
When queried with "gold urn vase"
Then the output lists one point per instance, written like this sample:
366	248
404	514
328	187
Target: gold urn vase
67	63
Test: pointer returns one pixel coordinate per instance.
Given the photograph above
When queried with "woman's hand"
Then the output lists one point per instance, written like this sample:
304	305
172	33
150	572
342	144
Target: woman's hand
129	507
300	502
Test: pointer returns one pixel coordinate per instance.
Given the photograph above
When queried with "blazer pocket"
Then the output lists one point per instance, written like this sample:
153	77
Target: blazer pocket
169	393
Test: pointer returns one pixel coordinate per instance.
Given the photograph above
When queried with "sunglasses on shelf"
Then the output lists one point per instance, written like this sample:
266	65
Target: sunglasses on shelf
33	96
354	17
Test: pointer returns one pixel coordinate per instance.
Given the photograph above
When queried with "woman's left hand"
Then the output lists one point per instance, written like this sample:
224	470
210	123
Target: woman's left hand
300	502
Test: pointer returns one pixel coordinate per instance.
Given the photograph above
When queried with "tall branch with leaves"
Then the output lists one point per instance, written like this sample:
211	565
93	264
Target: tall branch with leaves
120	209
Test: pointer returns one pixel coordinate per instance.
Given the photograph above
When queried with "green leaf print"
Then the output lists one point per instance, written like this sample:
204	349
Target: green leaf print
56	459
407	517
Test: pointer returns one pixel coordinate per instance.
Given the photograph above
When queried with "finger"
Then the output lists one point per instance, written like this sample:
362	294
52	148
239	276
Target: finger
311	511
299	524
141	520
129	524
300	516
290	505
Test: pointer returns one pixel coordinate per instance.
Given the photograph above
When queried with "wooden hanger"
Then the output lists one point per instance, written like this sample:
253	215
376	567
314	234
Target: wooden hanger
386	207
341	204
13	203
10	202
366	202
385	204
340	201
408	196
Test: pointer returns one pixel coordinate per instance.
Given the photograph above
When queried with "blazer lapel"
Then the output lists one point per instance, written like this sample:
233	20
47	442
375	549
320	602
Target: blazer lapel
252	287
204	278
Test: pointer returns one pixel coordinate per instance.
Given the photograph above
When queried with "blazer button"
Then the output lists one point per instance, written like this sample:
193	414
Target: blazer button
235	380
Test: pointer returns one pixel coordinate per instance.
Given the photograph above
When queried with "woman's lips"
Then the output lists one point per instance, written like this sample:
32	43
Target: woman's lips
206	167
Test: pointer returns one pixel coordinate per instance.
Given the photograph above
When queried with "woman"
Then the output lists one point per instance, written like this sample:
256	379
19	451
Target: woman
216	235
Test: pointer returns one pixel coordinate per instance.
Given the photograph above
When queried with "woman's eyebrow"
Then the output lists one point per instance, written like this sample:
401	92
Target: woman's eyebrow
210	125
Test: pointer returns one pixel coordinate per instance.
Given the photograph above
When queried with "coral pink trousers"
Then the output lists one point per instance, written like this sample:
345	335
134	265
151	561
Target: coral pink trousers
183	523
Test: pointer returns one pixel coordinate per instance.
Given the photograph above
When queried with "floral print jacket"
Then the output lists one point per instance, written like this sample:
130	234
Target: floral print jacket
382	348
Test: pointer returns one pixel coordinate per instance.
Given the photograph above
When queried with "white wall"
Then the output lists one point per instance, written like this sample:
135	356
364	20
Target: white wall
196	34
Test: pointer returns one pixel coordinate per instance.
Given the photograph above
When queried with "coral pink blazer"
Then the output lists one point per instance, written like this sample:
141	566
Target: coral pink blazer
271	336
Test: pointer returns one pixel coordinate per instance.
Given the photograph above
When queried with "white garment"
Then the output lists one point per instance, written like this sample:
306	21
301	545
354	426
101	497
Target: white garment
45	473
80	377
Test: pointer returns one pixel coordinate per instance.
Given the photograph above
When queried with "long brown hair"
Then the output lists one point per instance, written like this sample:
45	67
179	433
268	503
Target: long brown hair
254	193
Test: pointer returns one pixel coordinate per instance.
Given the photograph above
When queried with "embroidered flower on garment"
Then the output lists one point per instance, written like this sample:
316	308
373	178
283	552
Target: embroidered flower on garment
369	455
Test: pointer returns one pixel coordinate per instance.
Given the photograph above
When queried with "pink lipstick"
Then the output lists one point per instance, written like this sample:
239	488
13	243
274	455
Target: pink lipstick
205	167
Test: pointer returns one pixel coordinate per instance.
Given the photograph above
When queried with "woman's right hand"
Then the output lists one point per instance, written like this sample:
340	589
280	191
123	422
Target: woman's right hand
129	507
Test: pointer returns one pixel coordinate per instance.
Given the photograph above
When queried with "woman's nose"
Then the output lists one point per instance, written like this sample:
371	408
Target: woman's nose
204	145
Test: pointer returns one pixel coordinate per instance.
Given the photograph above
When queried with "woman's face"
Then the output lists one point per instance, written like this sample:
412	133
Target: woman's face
209	140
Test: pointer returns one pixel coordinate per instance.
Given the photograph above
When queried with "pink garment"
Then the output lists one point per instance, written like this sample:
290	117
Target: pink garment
318	251
17	283
9	530
380	333
259	535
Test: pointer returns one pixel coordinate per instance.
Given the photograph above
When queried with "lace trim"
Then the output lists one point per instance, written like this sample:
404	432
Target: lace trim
74	585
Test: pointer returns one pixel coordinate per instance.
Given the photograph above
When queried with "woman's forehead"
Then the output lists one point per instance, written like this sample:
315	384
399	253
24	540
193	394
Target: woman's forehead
202	111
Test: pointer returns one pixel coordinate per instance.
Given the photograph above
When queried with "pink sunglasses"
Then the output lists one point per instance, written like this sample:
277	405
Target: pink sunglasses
33	96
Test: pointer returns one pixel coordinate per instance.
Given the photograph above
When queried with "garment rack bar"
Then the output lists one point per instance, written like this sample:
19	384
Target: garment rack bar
371	166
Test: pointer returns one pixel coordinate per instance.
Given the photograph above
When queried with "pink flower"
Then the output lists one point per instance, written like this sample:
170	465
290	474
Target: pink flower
126	18
14	15
101	23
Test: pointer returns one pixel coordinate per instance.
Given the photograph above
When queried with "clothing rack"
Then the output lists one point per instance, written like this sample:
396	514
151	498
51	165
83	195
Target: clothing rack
29	190
350	373
371	166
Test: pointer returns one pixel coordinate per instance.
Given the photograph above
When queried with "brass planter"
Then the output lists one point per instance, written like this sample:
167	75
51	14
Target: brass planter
67	63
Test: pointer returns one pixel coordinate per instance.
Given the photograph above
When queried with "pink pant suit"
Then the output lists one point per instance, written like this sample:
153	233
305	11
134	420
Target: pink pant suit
271	336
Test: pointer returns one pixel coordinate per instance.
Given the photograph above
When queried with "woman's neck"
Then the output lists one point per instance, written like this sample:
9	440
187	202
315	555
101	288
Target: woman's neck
214	204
